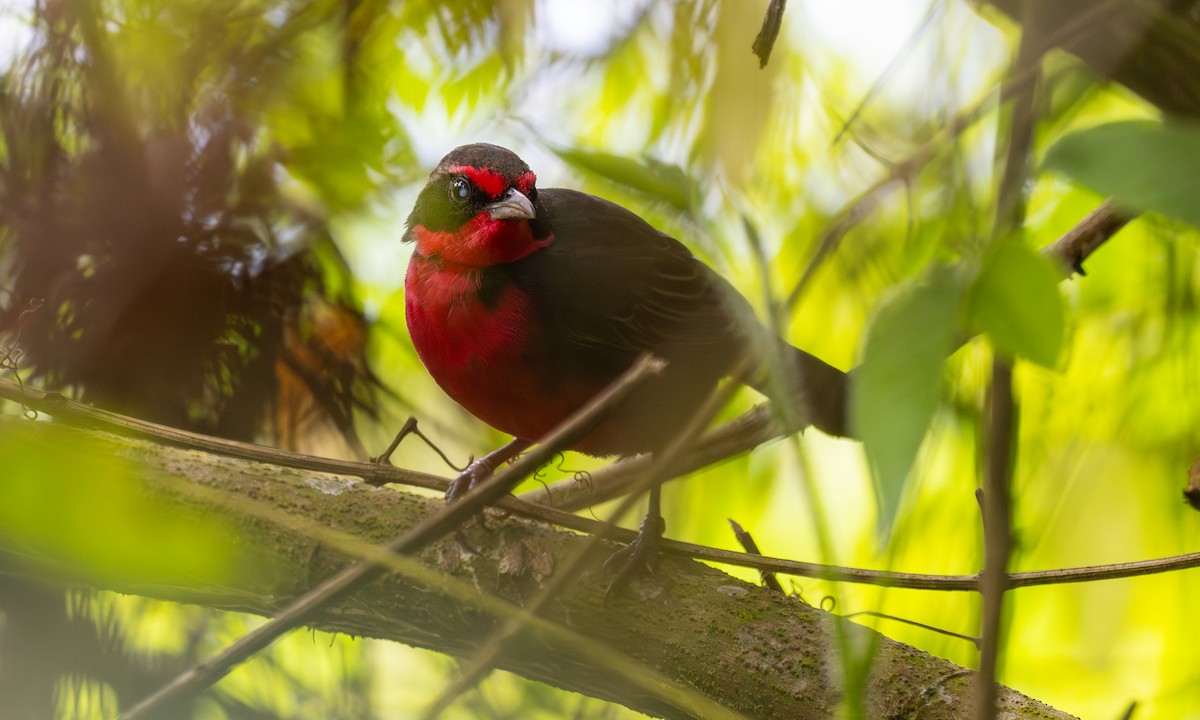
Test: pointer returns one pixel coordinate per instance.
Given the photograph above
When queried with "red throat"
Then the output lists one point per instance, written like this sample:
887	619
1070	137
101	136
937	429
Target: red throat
482	241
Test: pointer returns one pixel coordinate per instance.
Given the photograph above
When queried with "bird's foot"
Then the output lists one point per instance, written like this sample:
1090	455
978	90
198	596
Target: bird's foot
477	471
639	557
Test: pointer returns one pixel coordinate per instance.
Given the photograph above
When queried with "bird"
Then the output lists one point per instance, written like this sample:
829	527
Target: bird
524	303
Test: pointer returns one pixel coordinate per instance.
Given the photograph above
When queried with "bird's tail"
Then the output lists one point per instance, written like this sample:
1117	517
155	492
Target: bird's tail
816	391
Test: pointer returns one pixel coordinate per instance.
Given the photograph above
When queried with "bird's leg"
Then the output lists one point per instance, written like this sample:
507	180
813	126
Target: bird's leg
641	555
481	469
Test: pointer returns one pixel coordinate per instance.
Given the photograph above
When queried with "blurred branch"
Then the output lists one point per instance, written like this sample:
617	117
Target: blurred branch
764	43
1078	243
1002	418
63	408
1149	46
898	174
779	665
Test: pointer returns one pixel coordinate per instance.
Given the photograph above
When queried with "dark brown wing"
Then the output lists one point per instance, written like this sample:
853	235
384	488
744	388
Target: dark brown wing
611	284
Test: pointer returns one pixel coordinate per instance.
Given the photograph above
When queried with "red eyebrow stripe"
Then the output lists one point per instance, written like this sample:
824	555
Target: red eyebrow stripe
487	180
526	181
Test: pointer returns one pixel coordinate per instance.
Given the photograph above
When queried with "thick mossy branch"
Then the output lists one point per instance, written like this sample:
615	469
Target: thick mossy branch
754	651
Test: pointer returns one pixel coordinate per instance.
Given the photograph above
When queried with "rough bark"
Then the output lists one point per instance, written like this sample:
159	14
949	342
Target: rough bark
755	651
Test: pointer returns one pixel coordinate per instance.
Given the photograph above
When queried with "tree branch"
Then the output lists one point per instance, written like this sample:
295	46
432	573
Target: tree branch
749	649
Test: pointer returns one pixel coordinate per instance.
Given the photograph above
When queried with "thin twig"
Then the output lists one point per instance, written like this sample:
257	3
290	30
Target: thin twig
411	427
897	60
924	626
427	531
746	540
61	407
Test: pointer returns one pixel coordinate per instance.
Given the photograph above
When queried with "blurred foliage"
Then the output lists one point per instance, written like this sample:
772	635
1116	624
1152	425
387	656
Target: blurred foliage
144	206
85	510
206	193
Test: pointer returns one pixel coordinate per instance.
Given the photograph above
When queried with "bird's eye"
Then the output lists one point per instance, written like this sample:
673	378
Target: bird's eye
460	189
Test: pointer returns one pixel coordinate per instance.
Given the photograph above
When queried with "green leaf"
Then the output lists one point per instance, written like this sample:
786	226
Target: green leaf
1015	300
1146	165
661	181
896	388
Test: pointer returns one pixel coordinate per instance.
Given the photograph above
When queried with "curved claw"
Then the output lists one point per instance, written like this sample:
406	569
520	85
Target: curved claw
638	557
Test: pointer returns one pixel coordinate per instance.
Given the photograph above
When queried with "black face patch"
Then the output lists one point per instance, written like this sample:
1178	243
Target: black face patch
442	206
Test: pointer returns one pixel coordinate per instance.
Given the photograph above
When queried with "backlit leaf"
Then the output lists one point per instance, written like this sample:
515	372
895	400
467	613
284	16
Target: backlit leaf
1015	300
660	181
1147	165
895	391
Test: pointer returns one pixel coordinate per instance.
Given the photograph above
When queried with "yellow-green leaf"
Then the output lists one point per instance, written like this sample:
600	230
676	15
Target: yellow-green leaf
1146	165
1015	301
896	388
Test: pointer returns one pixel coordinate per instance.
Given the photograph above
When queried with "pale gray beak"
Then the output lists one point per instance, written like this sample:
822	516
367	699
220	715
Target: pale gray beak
512	205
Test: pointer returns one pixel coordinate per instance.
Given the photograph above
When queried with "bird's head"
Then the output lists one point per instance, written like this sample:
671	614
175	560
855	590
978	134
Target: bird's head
479	208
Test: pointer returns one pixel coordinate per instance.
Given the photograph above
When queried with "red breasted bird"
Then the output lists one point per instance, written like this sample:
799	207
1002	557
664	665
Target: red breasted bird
525	303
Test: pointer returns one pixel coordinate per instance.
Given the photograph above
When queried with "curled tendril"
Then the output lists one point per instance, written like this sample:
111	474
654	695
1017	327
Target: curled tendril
11	356
828	603
540	474
581	477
